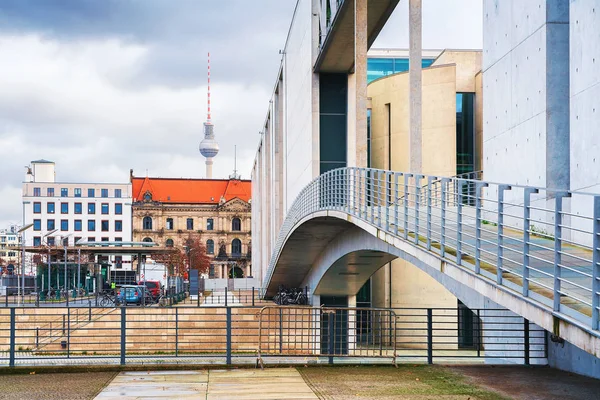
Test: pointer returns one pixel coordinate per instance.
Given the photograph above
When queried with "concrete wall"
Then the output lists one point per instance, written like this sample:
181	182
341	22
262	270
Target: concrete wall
439	121
567	357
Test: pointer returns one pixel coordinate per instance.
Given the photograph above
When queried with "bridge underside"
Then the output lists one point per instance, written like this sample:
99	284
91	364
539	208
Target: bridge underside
334	253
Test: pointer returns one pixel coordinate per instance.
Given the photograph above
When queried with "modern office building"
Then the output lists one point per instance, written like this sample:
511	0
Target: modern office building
168	211
94	212
9	247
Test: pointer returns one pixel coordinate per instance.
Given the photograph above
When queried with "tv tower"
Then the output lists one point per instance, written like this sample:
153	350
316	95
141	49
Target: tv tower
209	147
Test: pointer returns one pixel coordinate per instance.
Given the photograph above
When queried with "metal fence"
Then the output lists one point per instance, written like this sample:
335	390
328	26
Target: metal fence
543	243
269	335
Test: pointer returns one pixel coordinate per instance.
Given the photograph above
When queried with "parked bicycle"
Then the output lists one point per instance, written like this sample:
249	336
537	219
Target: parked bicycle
108	299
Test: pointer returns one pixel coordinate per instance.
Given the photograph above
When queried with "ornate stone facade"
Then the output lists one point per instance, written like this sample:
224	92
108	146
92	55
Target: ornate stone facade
167	211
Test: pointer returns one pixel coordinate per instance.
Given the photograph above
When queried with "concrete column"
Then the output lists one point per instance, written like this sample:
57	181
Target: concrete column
357	90
416	87
351	324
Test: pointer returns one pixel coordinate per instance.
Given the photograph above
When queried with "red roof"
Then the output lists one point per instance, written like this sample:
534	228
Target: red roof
182	190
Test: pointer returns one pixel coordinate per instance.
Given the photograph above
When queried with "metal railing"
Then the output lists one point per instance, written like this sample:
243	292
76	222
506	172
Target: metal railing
541	242
50	336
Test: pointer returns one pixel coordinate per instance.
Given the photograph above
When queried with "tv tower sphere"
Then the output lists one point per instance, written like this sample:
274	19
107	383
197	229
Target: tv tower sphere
209	146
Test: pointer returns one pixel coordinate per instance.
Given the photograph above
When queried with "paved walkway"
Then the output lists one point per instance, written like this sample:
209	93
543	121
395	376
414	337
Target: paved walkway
247	384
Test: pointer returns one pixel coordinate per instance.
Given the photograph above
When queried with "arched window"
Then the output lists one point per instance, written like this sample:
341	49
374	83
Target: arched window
210	246
236	224
169	243
169	223
148	240
236	247
147	223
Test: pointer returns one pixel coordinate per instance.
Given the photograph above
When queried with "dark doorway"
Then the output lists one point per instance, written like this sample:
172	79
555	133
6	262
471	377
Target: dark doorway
334	326
469	328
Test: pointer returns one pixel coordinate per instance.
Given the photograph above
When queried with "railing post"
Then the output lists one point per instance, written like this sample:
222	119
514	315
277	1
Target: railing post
596	263
443	217
429	181
225	296
558	206
406	176
366	190
11	350
331	335
500	238
429	336
252	296
228	354
176	331
526	225
526	339
388	196
379	189
478	187
123	334
459	208
396	199
417	201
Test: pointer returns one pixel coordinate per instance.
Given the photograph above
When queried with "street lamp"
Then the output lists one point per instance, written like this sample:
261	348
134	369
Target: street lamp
49	272
21	289
65	240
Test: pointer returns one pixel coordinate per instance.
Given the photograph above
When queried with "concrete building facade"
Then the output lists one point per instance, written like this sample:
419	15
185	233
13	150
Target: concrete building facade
168	211
91	212
9	247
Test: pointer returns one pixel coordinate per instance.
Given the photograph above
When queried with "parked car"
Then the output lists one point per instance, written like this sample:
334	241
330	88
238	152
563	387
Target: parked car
136	294
155	287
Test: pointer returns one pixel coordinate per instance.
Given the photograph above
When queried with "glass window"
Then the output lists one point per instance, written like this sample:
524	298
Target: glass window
169	223
50	208
118	239
37	207
65	242
91	208
77	239
147	240
91	239
119	261
210	246
236	224
104	239
104	226
37	241
64	208
64	224
190	224
91	193
37	192
64	192
236	247
50	192
78	208
104	208
118	226
147	223
118	208
50	240
104	192
78	225
91	225
77	192
37	224
169	243
209	224
118	193
50	225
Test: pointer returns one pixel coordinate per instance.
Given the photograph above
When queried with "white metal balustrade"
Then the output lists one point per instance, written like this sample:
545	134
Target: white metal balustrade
543	243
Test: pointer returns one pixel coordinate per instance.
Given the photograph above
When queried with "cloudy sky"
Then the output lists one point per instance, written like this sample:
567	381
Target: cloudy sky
102	86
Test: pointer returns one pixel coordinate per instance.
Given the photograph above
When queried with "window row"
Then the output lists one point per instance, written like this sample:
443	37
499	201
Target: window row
236	224
77	225
51	241
236	246
65	192
77	208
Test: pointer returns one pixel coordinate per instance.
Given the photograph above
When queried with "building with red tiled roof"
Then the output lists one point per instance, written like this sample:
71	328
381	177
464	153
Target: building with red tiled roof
168	211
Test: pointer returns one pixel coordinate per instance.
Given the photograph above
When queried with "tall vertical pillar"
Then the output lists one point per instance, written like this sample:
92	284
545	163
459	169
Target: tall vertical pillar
416	88
357	90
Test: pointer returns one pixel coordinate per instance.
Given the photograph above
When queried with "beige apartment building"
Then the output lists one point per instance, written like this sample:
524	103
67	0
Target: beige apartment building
167	210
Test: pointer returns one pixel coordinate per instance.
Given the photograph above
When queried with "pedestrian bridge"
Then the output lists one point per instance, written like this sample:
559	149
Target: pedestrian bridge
535	251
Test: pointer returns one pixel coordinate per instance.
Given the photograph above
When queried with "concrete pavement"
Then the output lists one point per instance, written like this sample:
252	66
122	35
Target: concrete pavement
248	384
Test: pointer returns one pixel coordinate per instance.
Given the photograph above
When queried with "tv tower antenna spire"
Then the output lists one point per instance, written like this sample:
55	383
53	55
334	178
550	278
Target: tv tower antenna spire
209	147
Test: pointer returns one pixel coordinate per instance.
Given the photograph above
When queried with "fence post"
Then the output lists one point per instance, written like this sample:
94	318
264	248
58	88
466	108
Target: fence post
526	224
558	246
176	331
500	239
596	262
11	362
225	296
331	335
478	187
478	334
123	334
228	355
526	339
252	296
429	336
89	310
63	324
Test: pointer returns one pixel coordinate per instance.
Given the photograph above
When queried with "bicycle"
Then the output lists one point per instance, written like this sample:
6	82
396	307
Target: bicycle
108	301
